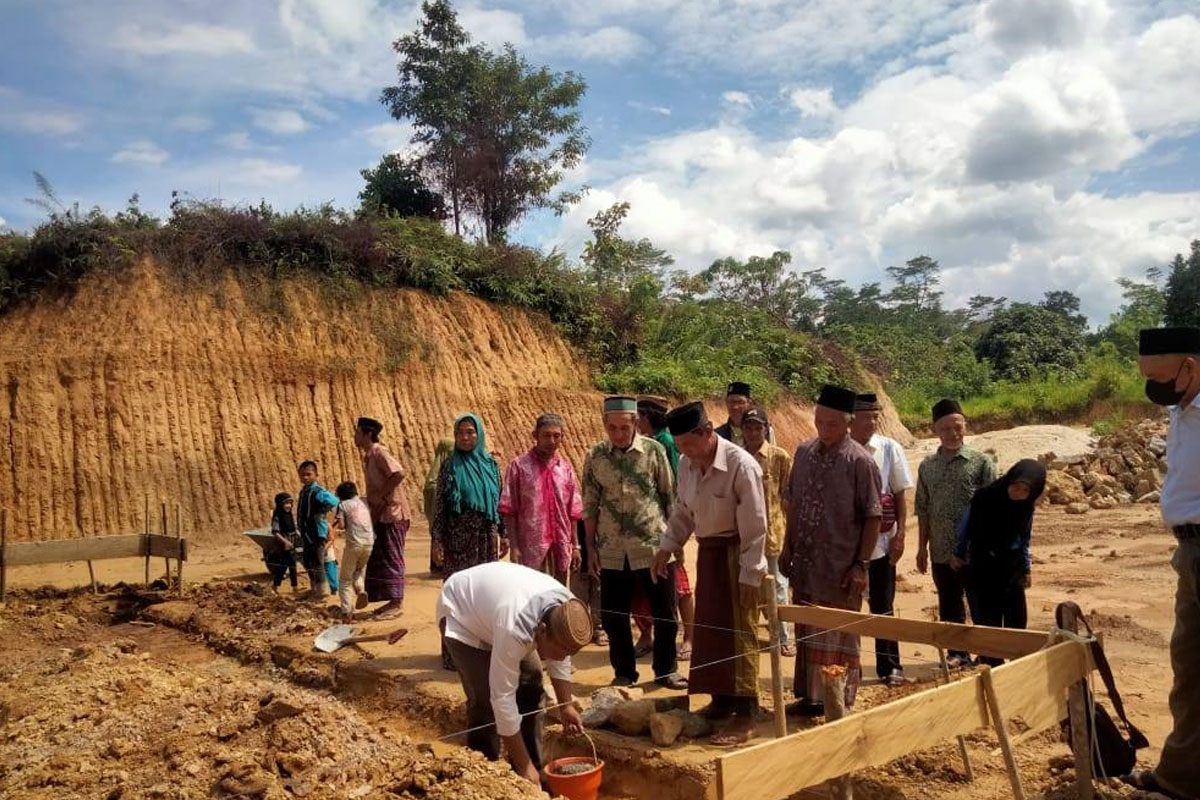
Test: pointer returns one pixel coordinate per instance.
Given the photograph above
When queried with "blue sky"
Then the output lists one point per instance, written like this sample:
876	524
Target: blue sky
1027	144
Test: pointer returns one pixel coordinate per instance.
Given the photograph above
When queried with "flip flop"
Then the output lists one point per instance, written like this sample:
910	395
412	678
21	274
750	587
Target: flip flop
1145	780
731	738
685	652
389	614
788	650
362	602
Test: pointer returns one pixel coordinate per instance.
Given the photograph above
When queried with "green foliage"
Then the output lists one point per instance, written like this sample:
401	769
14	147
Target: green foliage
765	283
395	188
1025	340
1182	305
1144	305
498	133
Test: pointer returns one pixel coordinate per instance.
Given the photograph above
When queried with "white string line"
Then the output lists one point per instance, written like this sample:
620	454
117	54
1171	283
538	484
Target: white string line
647	682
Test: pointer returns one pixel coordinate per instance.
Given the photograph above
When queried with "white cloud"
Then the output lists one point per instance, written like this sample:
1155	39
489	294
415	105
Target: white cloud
611	44
191	39
3	223
256	172
662	111
51	123
237	140
494	27
390	137
143	153
282	121
192	123
737	99
814	102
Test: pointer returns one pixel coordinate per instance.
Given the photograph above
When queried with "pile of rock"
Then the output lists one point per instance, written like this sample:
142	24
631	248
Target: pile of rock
1125	467
666	719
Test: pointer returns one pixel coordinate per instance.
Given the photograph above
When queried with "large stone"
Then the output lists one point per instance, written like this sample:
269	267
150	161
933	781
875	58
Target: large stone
1103	503
277	710
1151	497
632	717
1078	508
603	701
695	726
665	728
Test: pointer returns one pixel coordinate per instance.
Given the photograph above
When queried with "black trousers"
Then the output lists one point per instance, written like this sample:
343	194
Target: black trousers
473	667
998	600
281	564
314	565
616	592
881	598
952	596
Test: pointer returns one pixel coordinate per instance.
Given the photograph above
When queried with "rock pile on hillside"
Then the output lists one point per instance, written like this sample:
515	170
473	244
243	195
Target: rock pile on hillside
1127	466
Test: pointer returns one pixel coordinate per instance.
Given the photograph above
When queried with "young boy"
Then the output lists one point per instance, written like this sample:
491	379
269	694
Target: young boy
314	502
354	519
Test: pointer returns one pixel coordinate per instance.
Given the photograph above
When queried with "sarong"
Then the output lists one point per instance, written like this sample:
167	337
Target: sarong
725	646
819	647
385	567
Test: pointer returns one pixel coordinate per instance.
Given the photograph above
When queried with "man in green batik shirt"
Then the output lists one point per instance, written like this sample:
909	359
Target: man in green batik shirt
652	423
628	488
946	482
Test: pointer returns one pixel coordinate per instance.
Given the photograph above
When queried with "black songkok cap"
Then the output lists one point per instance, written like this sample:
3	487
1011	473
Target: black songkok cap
368	425
686	419
837	398
944	407
757	414
1168	341
737	387
867	402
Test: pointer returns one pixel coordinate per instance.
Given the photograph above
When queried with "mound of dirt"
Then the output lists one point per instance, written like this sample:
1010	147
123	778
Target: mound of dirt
1125	467
1028	441
107	721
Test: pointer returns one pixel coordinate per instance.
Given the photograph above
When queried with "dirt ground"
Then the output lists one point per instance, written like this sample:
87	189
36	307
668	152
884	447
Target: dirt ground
126	710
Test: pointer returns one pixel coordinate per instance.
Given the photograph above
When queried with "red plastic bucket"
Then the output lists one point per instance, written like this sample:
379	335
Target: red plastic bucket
579	785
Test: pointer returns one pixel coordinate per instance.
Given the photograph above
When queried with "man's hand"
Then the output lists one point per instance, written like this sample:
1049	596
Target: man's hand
1027	581
571	720
576	560
529	772
594	564
922	560
514	554
661	566
896	549
503	547
748	595
854	580
956	563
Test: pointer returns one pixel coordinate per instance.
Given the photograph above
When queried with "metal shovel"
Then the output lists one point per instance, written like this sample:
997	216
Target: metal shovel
338	636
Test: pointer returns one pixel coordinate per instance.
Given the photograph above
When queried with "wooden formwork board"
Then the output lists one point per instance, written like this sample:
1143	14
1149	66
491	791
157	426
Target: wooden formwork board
1033	688
98	548
998	642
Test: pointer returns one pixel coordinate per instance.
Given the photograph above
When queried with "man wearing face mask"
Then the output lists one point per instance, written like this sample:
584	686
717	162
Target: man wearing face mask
1169	358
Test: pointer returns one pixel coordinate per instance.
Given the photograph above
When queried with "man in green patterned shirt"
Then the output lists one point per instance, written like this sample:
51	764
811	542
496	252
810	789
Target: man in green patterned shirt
946	482
628	487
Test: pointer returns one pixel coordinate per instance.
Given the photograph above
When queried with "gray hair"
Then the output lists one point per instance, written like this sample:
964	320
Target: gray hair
548	421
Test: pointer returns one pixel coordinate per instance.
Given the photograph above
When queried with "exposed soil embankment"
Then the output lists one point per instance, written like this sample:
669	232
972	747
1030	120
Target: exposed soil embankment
209	397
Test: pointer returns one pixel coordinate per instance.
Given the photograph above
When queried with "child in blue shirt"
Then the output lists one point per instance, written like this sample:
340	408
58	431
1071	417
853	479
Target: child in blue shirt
312	505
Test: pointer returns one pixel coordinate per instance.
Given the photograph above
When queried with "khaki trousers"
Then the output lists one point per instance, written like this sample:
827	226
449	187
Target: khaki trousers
1179	767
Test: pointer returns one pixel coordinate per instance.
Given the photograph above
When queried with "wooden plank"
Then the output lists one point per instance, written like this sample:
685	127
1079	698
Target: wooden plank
968	770
182	549
1081	742
776	657
60	550
167	547
1000	725
1031	687
998	642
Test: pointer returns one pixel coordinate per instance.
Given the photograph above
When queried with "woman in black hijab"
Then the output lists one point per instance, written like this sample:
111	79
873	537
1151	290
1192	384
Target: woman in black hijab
994	540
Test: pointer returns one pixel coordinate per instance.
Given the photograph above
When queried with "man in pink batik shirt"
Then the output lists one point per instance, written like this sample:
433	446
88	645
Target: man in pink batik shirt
540	503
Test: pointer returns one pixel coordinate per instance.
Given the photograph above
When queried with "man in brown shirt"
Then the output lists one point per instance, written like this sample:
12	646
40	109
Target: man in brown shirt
833	525
389	517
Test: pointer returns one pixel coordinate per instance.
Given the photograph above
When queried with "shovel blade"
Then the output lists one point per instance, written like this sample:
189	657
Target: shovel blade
333	637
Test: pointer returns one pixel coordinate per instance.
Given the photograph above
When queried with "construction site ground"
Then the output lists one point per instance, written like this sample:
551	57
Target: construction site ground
136	693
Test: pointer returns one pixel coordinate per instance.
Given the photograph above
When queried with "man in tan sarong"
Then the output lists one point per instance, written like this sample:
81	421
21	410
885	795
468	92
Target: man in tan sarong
833	525
720	498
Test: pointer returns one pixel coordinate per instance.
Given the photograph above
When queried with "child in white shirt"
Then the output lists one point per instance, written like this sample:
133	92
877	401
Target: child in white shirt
354	518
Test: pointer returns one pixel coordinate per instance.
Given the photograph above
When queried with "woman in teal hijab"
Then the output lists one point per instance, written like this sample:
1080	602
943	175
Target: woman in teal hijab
466	528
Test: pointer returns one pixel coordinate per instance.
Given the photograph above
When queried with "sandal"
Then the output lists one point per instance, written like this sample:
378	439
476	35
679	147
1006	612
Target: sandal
1145	780
788	650
673	681
685	652
642	648
734	735
600	639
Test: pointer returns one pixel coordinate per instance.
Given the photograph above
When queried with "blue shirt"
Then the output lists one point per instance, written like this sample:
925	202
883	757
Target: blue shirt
313	503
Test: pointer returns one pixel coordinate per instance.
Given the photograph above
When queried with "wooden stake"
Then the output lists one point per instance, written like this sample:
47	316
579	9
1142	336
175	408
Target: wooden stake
1010	763
776	656
1081	742
92	575
166	532
3	554
146	521
833	685
179	535
968	771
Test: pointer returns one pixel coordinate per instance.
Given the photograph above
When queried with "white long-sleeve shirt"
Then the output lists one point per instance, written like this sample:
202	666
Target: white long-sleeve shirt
727	499
1180	501
497	607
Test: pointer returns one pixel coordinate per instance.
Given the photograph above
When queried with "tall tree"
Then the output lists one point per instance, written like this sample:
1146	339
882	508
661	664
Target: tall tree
1183	289
1066	304
1025	340
499	132
1143	308
768	284
396	187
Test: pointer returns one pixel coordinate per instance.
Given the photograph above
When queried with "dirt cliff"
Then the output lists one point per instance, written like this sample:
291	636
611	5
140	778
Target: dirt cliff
208	397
